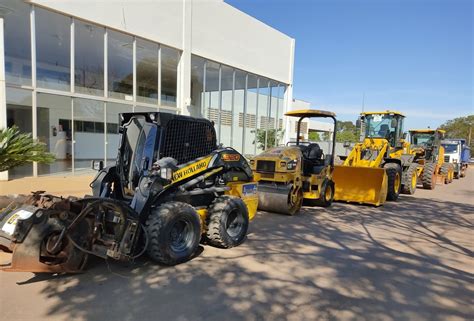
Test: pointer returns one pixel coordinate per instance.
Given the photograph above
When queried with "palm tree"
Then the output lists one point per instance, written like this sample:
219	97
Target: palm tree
18	148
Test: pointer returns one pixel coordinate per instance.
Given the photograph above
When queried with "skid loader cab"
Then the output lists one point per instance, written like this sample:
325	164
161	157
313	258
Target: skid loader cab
297	172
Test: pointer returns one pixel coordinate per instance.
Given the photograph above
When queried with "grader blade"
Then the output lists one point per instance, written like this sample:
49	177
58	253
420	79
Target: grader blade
363	185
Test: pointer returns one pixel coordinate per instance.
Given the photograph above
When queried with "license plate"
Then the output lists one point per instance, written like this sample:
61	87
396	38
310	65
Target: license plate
9	226
249	189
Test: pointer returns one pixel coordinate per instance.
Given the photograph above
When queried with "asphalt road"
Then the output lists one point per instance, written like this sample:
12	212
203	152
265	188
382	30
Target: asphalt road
408	260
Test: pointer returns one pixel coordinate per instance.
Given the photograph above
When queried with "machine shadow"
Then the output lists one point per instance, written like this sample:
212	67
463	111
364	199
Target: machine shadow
403	261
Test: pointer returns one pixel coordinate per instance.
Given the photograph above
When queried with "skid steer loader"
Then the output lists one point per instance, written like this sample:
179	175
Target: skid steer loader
171	186
293	174
429	154
380	167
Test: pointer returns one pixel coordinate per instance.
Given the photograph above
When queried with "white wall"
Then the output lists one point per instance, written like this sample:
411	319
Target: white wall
218	31
224	34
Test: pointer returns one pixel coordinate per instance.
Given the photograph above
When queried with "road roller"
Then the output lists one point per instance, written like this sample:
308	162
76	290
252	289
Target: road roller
297	173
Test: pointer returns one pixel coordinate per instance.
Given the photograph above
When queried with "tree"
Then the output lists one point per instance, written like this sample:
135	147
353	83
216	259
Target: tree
346	132
18	149
460	127
273	137
314	136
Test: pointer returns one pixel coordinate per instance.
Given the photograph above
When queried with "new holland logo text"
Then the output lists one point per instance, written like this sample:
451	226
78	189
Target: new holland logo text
190	170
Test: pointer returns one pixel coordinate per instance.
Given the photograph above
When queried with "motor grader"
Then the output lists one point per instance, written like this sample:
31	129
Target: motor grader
429	154
380	167
290	175
170	187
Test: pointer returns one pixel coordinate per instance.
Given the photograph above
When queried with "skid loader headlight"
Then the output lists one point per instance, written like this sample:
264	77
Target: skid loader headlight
166	173
291	165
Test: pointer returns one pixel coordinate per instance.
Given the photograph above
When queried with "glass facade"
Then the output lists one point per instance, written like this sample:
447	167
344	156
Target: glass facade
75	77
247	109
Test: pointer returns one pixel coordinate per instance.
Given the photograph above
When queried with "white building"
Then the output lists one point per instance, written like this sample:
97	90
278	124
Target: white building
67	68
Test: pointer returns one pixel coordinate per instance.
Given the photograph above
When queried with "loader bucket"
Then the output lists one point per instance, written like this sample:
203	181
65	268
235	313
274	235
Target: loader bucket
364	185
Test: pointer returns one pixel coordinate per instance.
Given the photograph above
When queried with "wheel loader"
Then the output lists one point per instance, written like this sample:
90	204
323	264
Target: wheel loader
290	175
380	167
170	188
429	154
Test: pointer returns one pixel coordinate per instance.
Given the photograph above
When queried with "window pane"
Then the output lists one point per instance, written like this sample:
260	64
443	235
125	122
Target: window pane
112	114
145	109
169	74
239	116
54	129
227	84
251	117
120	65
197	86
19	113
211	95
89	144
263	114
147	71
89	58
17	42
273	121
52	50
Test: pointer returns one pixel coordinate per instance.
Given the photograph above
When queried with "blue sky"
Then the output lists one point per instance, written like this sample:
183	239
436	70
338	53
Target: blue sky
414	56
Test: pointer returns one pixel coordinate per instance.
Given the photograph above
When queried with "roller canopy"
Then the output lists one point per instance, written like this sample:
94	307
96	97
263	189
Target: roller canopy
310	113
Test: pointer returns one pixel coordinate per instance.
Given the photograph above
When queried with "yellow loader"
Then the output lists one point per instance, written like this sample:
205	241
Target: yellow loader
380	167
429	154
291	174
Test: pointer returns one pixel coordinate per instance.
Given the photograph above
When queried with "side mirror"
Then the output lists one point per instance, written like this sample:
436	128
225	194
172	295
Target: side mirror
405	135
97	165
346	144
358	123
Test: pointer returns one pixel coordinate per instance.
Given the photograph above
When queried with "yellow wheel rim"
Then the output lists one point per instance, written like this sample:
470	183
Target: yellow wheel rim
413	180
327	194
396	185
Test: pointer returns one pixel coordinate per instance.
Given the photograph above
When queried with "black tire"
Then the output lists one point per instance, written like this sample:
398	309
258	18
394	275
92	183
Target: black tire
227	222
174	232
445	171
327	194
429	176
410	179
456	175
394	186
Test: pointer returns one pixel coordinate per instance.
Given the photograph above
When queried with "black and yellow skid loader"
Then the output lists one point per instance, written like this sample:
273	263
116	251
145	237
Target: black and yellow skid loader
290	175
170	188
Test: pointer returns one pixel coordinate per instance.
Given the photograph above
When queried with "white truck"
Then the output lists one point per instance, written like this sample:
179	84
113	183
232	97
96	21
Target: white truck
458	153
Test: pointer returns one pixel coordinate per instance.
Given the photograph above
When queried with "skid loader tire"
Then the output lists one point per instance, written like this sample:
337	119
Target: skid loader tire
429	177
410	180
227	222
174	232
394	182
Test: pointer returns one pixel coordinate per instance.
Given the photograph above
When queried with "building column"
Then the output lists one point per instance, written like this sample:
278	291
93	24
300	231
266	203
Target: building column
3	96
289	93
184	66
